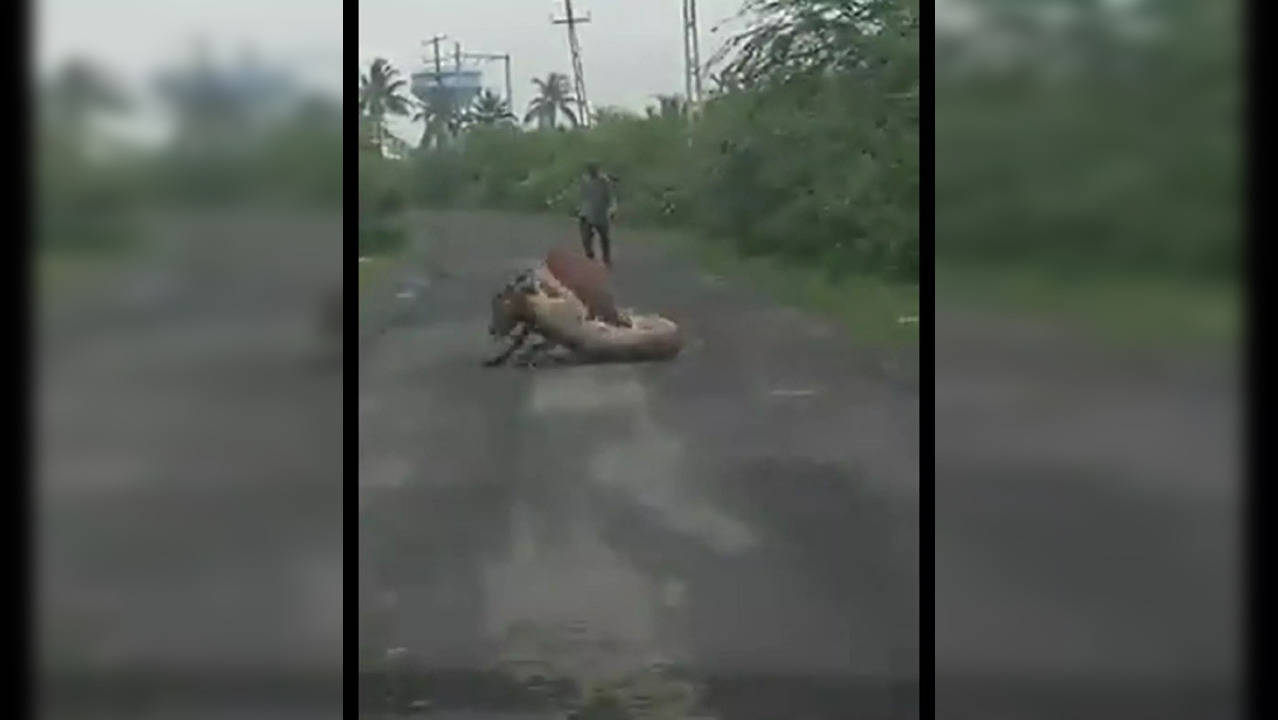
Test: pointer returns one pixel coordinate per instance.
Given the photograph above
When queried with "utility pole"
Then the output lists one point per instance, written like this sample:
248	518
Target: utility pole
439	68
510	96
439	76
687	55
696	48
578	75
505	57
691	53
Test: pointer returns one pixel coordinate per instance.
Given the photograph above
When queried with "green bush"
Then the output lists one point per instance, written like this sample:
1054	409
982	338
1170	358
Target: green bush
84	207
383	186
1109	153
382	199
779	172
381	236
813	164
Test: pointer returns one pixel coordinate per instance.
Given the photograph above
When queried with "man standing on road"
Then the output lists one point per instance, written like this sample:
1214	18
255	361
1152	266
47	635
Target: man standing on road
598	205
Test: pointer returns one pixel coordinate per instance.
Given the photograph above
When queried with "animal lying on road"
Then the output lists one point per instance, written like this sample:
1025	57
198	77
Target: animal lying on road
535	302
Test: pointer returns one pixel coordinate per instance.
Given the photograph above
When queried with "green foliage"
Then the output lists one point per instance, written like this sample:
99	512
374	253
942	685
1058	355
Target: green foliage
554	96
301	159
82	207
381	201
82	204
1098	148
781	172
792	176
875	41
488	109
381	235
381	92
814	163
94	187
381	185
295	160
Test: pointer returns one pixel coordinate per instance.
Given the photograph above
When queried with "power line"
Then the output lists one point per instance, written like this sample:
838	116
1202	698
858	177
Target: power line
505	57
439	69
458	56
578	75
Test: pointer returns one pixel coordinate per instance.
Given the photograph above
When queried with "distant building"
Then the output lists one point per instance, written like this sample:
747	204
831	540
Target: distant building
457	88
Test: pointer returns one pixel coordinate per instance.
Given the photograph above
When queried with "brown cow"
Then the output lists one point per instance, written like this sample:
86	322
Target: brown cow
589	280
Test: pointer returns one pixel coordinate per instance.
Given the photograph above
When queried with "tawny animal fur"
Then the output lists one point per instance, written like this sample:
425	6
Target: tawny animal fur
536	302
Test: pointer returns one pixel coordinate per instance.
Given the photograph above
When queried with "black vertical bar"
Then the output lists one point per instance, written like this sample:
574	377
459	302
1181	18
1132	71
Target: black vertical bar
927	358
1255	624
350	374
22	506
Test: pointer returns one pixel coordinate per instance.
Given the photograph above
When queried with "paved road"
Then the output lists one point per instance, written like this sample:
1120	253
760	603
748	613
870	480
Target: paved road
748	511
1088	507
189	469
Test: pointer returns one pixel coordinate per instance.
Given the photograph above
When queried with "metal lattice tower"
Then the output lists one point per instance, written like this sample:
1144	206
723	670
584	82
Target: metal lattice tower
691	54
578	75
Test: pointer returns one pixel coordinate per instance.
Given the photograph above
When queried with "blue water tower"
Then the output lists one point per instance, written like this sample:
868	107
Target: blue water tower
455	87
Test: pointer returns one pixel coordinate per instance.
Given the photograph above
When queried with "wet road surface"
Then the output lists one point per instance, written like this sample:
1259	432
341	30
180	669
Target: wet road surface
188	465
1088	524
745	516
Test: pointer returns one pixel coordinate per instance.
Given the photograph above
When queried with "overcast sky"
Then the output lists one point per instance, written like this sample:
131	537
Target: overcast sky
134	37
131	39
631	49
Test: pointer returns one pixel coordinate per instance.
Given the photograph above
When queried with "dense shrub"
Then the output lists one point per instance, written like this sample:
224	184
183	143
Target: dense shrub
83	206
810	161
1094	149
780	172
382	199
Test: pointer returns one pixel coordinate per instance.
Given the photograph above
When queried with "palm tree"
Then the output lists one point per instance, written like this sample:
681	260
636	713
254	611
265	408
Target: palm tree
554	96
441	120
489	109
379	96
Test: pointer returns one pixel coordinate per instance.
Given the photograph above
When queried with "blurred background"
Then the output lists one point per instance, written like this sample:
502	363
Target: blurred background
1088	245
188	171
